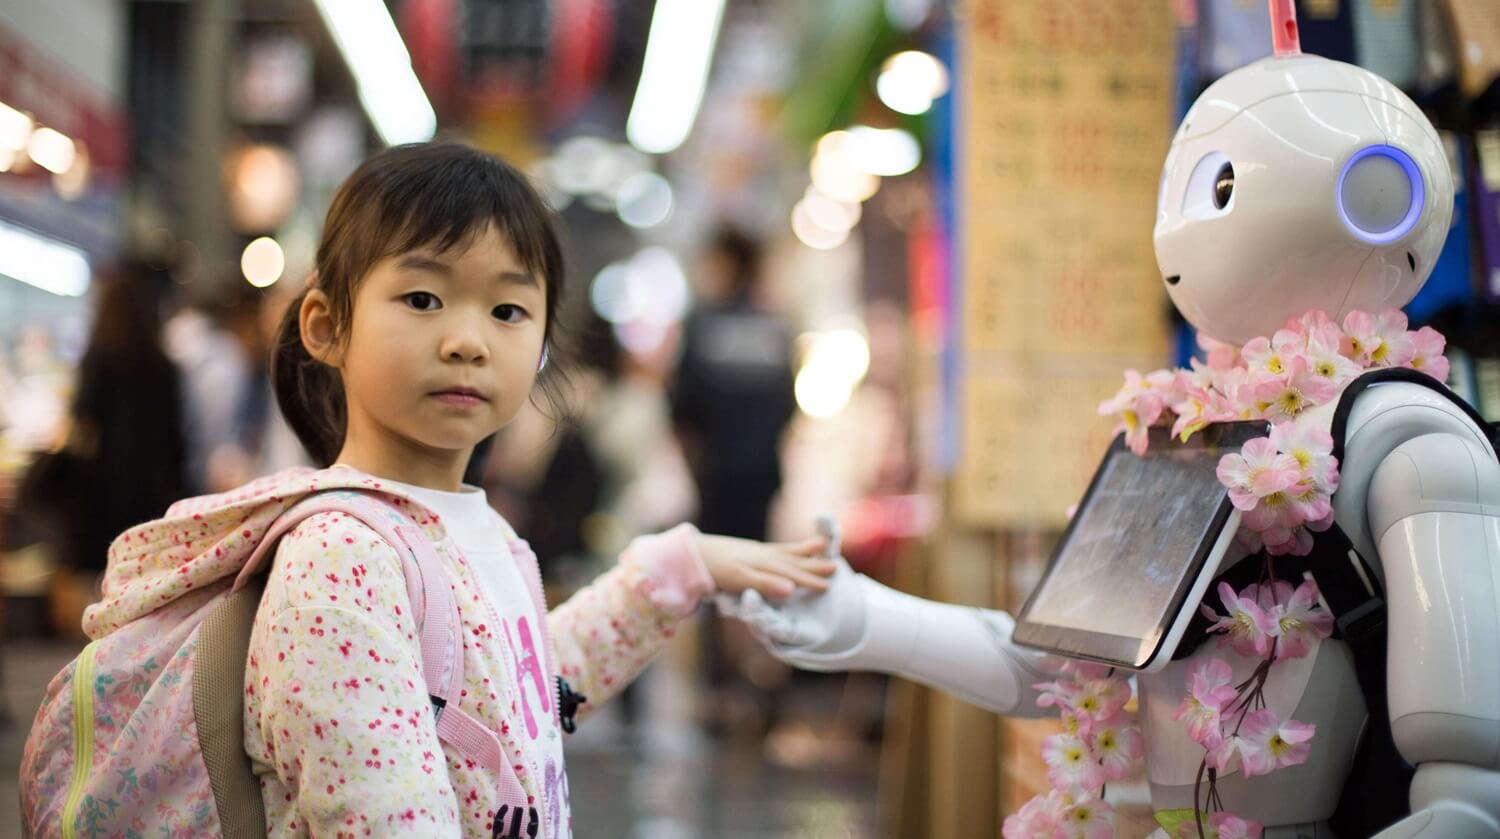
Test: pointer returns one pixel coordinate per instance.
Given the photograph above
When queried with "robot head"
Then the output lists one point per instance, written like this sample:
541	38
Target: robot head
1299	183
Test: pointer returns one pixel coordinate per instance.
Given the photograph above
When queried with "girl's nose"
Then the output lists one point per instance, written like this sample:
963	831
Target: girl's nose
463	344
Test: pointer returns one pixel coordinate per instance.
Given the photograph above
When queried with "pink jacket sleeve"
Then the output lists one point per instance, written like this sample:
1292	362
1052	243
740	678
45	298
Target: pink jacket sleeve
606	633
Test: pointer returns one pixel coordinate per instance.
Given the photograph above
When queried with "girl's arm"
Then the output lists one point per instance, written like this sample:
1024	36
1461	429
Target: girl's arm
607	632
335	700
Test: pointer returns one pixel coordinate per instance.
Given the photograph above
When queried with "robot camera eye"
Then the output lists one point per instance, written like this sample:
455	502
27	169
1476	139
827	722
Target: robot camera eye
1380	194
1224	185
1209	192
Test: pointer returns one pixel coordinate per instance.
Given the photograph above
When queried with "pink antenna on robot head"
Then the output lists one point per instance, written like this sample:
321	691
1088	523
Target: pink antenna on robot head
1284	35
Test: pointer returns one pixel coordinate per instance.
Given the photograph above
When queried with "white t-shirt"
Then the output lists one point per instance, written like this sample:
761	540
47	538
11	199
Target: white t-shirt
482	535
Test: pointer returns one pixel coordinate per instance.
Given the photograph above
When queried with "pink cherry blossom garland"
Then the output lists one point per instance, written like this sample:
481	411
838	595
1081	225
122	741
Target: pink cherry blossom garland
1099	743
1274	622
1283	485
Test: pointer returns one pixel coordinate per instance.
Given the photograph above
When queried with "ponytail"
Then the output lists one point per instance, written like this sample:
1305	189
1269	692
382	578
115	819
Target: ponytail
309	392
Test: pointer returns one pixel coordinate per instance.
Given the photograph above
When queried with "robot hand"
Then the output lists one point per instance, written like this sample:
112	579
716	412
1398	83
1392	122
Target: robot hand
810	630
859	624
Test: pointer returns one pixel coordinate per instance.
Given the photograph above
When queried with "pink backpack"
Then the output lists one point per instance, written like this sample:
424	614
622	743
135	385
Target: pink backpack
171	685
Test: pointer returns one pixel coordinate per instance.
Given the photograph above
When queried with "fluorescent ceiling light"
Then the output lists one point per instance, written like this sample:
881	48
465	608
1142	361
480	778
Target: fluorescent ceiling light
388	87
673	73
43	262
15	128
52	150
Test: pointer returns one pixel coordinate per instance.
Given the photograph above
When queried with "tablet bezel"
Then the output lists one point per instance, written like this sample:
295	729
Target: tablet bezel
1128	652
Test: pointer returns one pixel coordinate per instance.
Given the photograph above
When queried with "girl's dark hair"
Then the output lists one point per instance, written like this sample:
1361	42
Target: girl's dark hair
437	195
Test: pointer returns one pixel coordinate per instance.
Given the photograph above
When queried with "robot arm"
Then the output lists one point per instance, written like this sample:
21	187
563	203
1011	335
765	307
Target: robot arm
1434	513
859	624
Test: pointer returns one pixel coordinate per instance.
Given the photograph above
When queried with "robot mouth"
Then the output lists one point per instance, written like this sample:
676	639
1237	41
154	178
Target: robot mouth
1174	279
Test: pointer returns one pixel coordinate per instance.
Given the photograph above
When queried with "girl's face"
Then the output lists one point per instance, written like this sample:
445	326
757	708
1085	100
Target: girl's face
442	352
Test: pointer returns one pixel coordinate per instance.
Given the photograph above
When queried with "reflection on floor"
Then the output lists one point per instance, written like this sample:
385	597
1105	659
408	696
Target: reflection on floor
662	778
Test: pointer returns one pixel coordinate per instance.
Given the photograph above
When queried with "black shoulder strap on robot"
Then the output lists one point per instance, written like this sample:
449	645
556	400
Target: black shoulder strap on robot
1376	792
1349	586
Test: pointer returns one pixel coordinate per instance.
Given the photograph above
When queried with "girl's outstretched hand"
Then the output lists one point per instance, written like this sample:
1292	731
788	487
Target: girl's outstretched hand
774	570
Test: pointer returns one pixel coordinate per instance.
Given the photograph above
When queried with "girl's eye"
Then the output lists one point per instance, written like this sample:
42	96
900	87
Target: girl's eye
509	313
422	301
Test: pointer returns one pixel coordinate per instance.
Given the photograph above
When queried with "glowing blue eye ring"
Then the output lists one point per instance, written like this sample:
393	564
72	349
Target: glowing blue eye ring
1418	194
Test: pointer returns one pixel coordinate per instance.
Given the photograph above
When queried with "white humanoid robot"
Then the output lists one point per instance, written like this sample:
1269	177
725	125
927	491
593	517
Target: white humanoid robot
1293	184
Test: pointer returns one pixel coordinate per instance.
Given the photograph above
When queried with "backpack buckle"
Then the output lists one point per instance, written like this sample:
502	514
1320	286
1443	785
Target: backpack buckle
568	702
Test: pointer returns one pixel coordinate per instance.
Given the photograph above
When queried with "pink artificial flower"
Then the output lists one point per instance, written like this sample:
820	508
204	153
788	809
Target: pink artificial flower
1312	448
1276	516
1224	756
1227	825
1060	693
1076	724
1221	825
1427	353
1268	596
1294	542
1170	385
1309	502
1267	743
1300	621
1038	818
1084	671
1116	744
1324	358
1070	764
1289	394
1248	628
1321	524
1200	408
1250	540
1091	818
1139	407
1377	341
1313	321
1256	472
1102	698
1273	356
1210	692
1221	356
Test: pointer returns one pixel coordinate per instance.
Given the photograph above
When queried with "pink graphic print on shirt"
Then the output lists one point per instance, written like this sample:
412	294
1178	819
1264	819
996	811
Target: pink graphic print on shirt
528	668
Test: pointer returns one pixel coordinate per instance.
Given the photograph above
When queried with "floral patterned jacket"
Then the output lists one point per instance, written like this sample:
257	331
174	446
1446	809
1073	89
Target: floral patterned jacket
338	723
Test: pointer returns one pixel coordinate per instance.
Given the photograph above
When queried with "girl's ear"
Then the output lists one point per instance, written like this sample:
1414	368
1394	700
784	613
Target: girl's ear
318	333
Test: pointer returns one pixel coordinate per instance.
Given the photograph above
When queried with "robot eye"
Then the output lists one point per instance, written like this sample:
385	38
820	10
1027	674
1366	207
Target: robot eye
1224	185
1380	194
1209	191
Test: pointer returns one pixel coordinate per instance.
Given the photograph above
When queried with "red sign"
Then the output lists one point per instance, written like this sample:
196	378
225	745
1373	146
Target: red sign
32	81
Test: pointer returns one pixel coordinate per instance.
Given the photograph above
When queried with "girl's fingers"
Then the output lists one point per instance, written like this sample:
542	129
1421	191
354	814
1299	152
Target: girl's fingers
807	547
810	573
799	576
771	585
817	565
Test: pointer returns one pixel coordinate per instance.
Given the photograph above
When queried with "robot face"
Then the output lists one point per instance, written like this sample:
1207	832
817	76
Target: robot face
1299	183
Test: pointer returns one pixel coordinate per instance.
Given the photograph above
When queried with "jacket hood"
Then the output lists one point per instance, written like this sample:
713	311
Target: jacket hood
203	542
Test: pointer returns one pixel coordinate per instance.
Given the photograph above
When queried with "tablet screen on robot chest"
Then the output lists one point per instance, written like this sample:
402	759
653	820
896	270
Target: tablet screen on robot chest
1139	545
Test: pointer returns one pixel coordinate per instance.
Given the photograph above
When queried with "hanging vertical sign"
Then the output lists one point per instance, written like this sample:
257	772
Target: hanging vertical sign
1066	113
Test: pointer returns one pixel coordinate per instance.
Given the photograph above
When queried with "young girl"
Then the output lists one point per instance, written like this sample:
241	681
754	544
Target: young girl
422	333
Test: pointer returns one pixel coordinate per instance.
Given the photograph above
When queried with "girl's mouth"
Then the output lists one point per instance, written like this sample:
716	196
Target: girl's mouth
460	397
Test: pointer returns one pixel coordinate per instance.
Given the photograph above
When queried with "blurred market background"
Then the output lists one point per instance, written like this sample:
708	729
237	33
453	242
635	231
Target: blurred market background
875	258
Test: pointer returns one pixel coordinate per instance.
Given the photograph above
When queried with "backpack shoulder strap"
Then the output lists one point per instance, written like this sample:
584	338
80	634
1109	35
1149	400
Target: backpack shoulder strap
427	582
430	590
